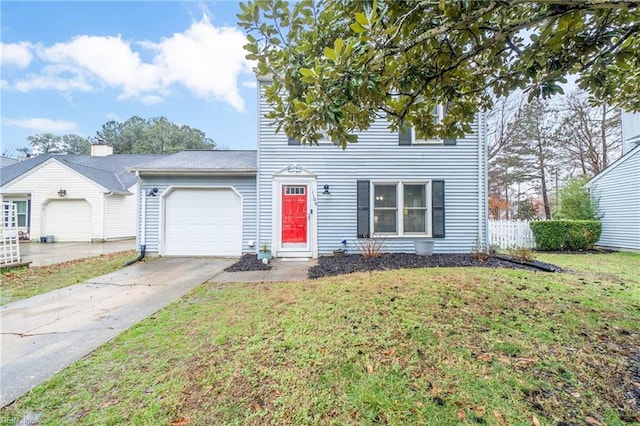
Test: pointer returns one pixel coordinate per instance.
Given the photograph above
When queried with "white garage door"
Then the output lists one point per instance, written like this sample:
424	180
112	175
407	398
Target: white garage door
68	220
203	222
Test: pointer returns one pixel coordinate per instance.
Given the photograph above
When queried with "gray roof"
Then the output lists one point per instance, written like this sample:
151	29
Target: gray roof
5	161
210	161
110	171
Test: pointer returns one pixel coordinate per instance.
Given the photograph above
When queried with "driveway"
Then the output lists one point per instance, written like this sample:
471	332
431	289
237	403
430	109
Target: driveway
44	334
40	254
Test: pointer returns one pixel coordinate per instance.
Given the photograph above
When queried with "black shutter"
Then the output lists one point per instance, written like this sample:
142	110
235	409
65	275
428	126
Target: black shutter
437	206
293	141
404	136
363	208
445	108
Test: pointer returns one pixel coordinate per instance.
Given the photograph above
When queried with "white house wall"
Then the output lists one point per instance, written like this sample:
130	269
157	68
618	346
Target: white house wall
618	194
376	156
120	215
44	182
150	235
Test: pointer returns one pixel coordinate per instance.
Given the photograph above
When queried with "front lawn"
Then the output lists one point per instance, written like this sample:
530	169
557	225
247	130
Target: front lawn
22	282
434	346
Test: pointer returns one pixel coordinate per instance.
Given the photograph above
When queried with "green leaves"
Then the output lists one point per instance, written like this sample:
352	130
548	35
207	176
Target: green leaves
350	62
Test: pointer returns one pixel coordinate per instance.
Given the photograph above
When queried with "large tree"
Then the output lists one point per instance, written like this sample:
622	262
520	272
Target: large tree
151	136
48	143
589	137
338	64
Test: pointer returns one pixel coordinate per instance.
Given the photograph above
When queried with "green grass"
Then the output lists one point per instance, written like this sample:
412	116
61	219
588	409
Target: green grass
435	346
22	282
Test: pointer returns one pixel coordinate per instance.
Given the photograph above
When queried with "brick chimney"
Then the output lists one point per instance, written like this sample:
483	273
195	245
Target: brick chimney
100	149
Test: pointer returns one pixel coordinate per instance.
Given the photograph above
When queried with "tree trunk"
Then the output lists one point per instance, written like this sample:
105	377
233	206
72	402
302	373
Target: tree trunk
545	196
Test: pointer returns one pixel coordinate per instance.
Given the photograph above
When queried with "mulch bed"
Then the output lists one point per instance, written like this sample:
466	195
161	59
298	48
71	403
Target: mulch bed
248	262
328	265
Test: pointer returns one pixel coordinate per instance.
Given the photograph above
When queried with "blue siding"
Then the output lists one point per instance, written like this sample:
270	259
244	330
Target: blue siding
617	191
246	186
377	156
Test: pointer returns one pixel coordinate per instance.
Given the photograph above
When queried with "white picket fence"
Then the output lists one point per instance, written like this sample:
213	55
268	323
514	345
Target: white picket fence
10	248
510	233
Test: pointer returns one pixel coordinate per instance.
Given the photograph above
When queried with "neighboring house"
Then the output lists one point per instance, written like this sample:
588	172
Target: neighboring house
307	199
617	191
6	161
74	197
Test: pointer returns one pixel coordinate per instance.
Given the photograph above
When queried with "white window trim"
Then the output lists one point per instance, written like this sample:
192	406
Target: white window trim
431	141
400	209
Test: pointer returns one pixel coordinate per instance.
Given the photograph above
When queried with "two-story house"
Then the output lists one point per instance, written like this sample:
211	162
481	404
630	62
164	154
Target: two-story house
303	201
617	191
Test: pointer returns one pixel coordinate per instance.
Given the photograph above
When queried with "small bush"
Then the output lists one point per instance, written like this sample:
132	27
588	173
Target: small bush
523	254
370	247
480	252
566	234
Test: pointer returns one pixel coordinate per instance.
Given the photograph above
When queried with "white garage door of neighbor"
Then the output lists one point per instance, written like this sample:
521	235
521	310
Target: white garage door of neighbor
203	222
68	220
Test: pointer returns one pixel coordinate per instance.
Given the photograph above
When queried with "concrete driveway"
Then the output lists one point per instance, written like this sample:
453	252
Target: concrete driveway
44	334
40	254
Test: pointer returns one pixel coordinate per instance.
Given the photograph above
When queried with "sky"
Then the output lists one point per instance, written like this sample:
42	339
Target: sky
68	67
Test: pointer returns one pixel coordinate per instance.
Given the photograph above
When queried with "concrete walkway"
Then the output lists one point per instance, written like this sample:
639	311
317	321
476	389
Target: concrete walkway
44	334
40	254
281	270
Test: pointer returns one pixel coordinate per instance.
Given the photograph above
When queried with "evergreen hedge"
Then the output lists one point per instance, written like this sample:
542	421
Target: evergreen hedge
566	234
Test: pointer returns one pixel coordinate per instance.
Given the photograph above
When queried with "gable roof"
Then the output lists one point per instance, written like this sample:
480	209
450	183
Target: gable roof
109	171
223	162
5	161
617	163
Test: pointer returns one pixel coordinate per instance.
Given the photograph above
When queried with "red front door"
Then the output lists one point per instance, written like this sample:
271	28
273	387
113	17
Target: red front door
294	214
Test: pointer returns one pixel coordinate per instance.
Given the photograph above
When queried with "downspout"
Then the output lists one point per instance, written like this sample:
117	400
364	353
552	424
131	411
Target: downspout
142	231
480	186
485	162
258	180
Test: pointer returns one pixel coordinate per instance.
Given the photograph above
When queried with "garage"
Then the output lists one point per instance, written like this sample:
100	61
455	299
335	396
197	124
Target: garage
202	222
68	220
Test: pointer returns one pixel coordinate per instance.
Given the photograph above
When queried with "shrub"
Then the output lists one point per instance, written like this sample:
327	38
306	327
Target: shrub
576	203
523	254
566	234
549	234
370	247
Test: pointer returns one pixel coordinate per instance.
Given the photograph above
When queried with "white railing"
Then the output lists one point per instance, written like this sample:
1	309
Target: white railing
10	248
510	233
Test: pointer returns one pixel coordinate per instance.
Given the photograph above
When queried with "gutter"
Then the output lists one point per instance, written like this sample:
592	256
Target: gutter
198	172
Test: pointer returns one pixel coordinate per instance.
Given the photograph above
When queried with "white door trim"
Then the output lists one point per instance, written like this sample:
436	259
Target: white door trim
310	182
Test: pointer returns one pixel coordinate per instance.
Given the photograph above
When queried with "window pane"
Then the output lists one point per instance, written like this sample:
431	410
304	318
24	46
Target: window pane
415	196
21	207
385	195
384	221
22	220
434	113
415	220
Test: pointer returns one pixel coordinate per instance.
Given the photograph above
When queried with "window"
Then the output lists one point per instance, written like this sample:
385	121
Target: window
22	213
407	136
415	209
385	209
294	190
400	208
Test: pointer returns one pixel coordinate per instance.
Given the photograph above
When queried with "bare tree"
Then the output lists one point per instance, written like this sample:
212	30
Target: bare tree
589	136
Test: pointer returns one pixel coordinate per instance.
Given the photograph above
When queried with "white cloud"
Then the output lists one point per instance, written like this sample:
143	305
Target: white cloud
205	59
252	84
42	124
17	54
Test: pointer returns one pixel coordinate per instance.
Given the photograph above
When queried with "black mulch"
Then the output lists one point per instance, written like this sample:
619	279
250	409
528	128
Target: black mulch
248	262
328	266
